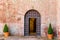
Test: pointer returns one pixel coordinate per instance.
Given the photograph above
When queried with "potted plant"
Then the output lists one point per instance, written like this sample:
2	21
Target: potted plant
50	32
5	30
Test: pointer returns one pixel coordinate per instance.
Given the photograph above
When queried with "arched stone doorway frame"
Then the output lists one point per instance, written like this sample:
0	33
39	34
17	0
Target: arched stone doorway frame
32	14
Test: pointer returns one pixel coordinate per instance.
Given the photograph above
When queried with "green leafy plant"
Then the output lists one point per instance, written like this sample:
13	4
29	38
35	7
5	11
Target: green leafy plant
5	28
50	30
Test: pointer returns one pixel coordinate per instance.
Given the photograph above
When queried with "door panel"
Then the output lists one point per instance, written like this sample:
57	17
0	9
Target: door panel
32	26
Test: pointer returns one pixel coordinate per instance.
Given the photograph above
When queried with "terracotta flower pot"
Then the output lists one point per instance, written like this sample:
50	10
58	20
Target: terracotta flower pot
6	34
50	36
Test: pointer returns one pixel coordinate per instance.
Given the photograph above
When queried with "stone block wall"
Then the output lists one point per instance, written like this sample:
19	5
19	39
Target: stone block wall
12	12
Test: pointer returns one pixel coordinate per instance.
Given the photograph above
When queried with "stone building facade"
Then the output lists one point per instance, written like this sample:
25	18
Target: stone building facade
13	12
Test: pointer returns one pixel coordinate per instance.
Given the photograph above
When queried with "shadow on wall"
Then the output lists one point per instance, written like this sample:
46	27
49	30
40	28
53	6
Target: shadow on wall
55	32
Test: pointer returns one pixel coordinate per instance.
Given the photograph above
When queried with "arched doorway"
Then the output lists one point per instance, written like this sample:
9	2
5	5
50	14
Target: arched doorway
32	23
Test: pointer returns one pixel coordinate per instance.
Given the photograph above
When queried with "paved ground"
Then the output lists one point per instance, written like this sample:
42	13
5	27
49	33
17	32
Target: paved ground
24	38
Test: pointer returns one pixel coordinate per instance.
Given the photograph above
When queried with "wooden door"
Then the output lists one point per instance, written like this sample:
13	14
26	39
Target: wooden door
32	26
